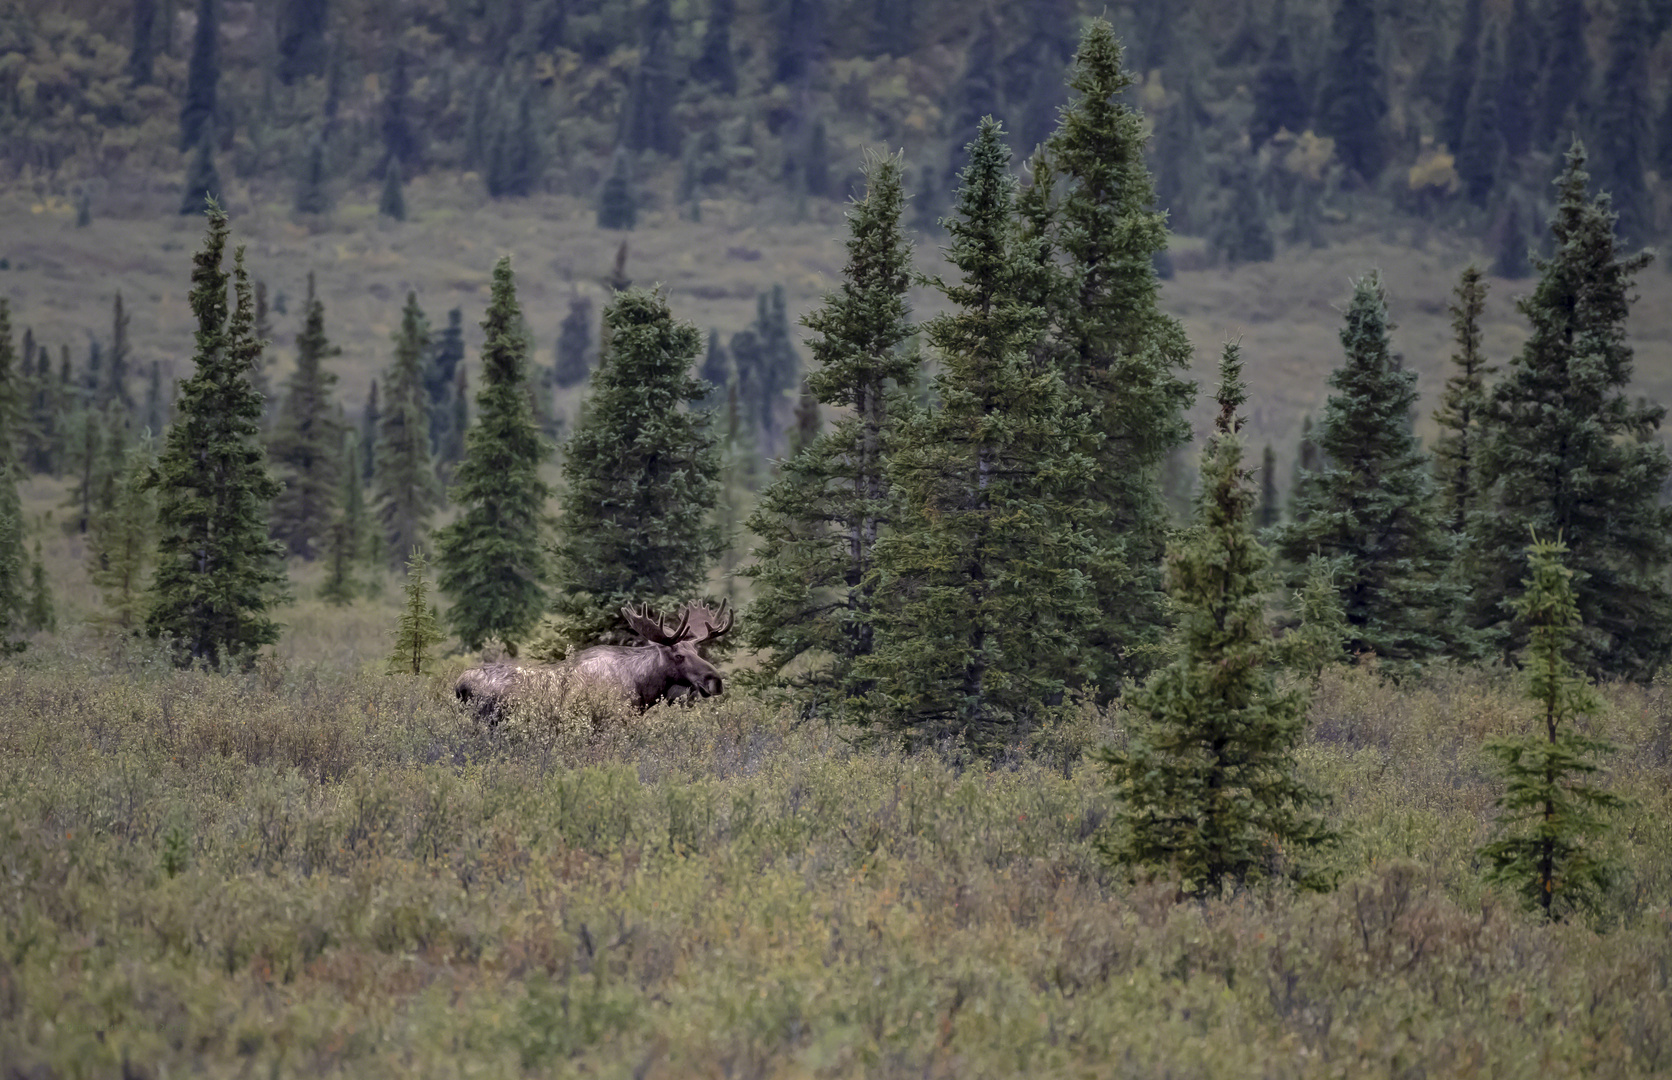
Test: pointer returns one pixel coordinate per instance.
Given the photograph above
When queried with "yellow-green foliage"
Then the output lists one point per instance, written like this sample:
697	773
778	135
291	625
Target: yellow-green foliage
300	872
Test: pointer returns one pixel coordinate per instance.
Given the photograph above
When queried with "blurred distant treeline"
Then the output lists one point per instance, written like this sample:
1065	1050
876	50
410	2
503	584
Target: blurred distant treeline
1271	118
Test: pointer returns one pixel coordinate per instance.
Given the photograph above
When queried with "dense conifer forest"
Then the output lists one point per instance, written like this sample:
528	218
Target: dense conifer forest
1309	712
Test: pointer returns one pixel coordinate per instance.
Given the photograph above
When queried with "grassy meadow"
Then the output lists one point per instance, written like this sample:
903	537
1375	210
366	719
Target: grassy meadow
314	869
1287	312
317	869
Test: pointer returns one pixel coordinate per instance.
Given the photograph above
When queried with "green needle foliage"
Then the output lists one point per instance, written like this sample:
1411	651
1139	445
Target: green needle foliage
13	564
419	630
405	490
641	479
1462	410
122	540
1568	453
819	522
984	578
1551	817
306	442
345	541
1093	203
1371	509
1207	783
218	575
492	557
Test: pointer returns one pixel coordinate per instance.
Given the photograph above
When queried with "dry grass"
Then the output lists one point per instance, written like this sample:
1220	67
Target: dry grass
305	871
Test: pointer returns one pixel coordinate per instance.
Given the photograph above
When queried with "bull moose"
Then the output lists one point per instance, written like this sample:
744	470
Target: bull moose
668	664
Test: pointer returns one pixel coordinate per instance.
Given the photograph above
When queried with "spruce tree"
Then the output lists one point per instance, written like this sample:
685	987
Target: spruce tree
617	208
1517	97
1243	234
716	371
13	563
492	558
1207	784
345	540
1623	149
1371	508
142	52
1269	511
302	48
648	120
1120	355
1463	75
715	65
984	593
1566	74
115	386
641	479
441	384
1279	103
1352	101
391	203
820	521
371	417
401	144
419	630
1480	146
39	613
312	194
1462	410
1551	813
122	543
1568	453
574	345
203	181
405	490
305	446
197	107
218	575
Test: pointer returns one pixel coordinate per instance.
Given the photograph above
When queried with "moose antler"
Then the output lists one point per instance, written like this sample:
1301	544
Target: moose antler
706	624
649	625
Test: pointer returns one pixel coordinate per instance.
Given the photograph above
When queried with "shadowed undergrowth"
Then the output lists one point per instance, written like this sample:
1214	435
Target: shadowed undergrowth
309	872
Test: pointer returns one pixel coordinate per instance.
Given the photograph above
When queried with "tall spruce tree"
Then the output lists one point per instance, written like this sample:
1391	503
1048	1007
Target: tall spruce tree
984	591
1566	76
1462	410
574	345
1279	103
203	180
1517	89
492	558
405	490
820	521
203	77
1120	355
1567	453
641	479
1623	148
1371	508
218	575
1462	75
1551	811
1207	784
1352	102
716	65
305	445
1480	145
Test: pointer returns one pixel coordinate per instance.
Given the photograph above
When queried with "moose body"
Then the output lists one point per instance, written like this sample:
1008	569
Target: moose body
668	665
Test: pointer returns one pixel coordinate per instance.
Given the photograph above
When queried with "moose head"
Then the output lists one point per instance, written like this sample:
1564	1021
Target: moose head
682	645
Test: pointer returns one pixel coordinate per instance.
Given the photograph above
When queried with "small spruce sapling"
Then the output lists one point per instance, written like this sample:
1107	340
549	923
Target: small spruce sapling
420	627
1551	818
